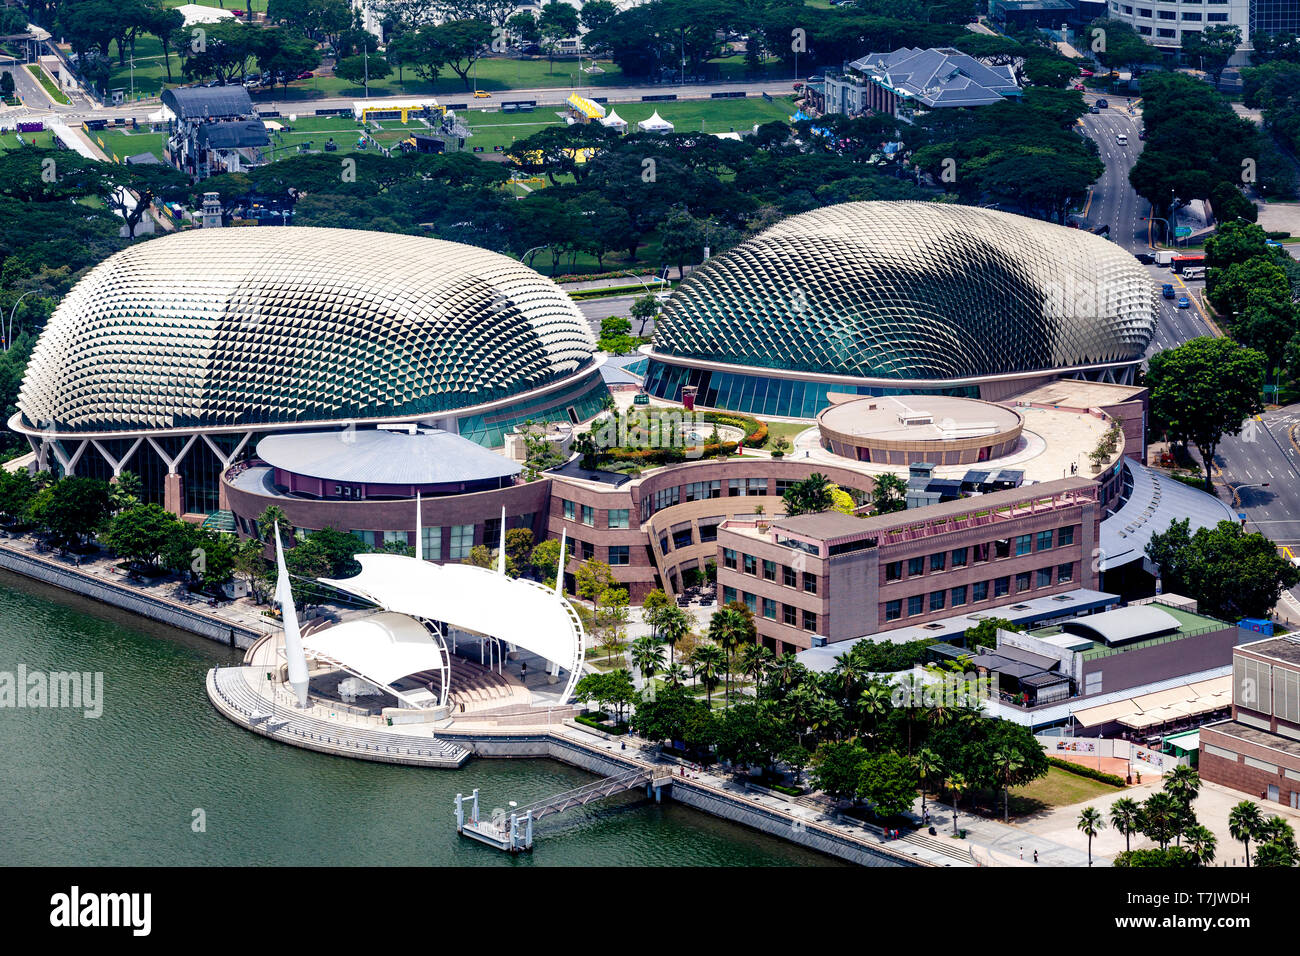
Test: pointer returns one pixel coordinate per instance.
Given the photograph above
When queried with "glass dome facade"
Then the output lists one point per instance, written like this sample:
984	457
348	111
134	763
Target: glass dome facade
274	325
896	297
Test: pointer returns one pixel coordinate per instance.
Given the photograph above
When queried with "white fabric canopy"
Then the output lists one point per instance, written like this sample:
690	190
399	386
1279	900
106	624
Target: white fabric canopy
614	120
655	123
382	648
513	610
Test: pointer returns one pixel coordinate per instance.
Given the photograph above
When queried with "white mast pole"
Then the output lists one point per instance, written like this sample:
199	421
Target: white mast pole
293	651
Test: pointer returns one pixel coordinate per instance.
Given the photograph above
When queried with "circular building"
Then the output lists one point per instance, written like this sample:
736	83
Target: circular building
908	429
889	298
170	356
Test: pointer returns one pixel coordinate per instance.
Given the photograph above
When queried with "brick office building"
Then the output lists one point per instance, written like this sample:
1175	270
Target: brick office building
824	578
1258	750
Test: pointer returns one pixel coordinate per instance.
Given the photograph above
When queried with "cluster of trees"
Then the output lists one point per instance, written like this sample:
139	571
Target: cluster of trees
1231	573
1254	287
1198	148
1167	817
1025	155
1202	390
862	738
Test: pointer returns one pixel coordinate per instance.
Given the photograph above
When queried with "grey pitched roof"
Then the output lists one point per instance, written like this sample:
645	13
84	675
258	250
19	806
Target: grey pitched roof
208	102
939	77
381	457
238	134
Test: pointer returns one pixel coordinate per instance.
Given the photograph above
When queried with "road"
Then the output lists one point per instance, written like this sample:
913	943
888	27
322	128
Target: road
1114	202
544	97
1264	453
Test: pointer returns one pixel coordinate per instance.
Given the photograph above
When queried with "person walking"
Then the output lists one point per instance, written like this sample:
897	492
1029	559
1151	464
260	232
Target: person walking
1035	856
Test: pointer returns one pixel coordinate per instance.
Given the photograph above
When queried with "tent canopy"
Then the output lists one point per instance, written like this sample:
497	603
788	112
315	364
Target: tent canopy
655	123
614	120
382	648
473	599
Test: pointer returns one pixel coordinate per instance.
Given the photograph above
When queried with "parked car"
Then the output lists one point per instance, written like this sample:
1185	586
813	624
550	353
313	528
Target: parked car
1142	134
1145	258
1184	302
1167	290
306	75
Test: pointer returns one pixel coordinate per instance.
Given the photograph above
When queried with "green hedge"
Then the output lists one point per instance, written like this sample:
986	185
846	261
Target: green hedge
1081	771
593	722
788	791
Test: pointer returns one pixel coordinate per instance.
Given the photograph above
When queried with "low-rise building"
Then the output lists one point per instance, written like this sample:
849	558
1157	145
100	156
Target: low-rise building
911	79
1258	750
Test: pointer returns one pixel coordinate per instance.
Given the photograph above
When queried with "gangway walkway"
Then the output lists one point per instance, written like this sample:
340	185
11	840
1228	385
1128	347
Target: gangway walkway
516	833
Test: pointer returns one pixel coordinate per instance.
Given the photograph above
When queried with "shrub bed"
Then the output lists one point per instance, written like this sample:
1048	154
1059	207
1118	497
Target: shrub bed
594	721
1082	771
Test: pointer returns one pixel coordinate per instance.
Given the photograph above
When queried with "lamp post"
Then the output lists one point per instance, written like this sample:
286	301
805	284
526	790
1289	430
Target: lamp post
9	328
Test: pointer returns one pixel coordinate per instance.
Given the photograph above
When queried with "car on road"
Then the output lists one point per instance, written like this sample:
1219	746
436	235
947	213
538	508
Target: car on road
306	75
1167	290
1093	109
1145	258
1078	87
1085	72
1103	104
1184	302
1142	134
482	95
1122	139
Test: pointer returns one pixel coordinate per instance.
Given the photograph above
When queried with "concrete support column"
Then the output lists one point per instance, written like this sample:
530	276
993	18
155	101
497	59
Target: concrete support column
174	494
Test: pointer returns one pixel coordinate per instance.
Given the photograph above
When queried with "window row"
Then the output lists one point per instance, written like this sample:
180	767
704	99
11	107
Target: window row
773	610
703	491
615	518
962	595
749	564
1001	548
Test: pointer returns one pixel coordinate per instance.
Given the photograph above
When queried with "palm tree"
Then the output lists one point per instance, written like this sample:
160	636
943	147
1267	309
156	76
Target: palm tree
673	624
851	671
784	669
1008	763
755	660
1244	824
1091	822
956	785
1202	843
873	702
707	665
675	674
647	656
800	704
729	627
1126	817
1183	784
928	766
1161	816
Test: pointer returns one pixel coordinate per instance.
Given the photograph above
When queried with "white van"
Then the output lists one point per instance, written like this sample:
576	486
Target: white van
1122	139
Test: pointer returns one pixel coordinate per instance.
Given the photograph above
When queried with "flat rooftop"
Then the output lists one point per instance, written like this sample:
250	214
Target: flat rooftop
918	418
1252	735
1189	625
1276	647
1076	393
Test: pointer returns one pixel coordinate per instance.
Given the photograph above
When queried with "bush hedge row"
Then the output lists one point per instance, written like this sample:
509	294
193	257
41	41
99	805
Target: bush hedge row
1082	771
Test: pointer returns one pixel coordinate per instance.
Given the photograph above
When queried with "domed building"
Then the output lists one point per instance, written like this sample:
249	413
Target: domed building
172	355
890	298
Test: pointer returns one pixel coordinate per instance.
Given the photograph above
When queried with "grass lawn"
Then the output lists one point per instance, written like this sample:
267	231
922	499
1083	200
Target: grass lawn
785	430
47	84
1058	789
9	141
121	143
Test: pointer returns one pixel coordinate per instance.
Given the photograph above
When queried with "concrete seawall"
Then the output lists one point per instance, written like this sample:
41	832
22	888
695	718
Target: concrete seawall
689	792
128	599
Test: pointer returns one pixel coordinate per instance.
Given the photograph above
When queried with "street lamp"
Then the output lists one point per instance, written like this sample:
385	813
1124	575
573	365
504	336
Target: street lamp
1236	493
9	329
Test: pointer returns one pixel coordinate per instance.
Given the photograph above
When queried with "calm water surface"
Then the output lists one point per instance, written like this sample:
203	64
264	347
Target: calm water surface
122	789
